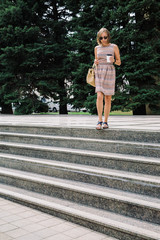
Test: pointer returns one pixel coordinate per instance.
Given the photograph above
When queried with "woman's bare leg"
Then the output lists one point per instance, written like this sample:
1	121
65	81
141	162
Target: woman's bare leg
99	106
107	107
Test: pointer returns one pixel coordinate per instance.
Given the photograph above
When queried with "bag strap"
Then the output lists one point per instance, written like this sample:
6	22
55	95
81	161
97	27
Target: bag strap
94	65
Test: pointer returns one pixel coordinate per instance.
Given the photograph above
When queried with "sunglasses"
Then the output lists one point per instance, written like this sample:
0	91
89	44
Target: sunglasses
105	37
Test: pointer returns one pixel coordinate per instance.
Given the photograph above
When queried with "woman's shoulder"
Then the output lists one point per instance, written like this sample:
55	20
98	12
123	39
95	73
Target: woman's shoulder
97	46
114	45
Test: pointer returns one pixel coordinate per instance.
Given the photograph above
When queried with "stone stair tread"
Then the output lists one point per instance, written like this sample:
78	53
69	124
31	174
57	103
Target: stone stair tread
88	126
107	179
136	199
86	168
134	143
126	157
125	224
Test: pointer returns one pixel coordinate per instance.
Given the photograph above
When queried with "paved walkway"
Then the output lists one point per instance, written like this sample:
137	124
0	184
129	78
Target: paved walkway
18	222
121	122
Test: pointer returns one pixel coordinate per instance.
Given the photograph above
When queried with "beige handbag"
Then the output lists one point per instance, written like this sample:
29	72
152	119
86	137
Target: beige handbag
91	76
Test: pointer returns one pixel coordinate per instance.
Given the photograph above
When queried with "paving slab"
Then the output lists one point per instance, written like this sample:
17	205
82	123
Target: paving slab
140	122
38	225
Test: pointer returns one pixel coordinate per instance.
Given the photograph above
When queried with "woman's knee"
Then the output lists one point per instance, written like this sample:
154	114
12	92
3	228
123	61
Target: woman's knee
108	98
100	96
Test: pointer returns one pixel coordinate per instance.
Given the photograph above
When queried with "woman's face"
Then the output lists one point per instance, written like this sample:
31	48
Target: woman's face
104	38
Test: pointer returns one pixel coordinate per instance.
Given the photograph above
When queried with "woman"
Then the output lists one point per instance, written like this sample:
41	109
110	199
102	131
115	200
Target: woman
106	54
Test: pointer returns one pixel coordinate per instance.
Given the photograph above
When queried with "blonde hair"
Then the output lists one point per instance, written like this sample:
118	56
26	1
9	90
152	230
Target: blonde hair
100	33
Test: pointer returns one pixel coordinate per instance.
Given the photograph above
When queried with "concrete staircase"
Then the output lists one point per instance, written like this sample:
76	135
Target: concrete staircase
106	180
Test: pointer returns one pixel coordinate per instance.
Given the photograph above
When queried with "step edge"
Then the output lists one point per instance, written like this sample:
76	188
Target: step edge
76	127
126	157
50	137
97	193
108	172
125	228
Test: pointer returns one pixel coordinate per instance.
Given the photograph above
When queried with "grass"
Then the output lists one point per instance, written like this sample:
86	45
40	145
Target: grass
113	113
120	113
79	113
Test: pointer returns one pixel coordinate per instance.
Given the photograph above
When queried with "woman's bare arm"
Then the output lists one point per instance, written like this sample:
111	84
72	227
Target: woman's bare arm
117	56
95	53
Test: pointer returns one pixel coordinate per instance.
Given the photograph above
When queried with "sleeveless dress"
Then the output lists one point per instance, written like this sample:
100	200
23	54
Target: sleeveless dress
105	75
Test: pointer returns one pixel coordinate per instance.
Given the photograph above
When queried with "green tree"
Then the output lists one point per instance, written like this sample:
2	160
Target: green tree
22	53
33	53
134	27
137	33
57	23
90	17
46	45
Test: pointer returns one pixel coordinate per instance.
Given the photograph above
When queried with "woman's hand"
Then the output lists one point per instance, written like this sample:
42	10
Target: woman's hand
96	61
112	60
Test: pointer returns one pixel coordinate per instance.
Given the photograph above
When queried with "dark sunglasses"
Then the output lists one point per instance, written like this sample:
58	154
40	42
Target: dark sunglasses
105	37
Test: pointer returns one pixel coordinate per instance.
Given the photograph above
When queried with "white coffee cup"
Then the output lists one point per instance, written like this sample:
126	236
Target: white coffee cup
108	57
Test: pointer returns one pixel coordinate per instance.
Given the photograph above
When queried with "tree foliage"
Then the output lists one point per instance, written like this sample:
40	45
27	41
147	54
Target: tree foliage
46	48
33	53
134	27
138	38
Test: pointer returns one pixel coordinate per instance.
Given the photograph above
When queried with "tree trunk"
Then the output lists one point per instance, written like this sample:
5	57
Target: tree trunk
63	108
6	108
140	110
62	103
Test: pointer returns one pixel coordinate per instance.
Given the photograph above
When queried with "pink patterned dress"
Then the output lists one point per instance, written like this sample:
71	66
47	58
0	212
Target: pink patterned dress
105	74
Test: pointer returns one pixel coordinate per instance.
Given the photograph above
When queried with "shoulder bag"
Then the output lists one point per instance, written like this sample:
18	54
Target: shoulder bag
91	76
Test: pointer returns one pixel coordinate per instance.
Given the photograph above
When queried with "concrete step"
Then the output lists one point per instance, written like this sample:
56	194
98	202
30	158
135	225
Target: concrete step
112	134
114	146
108	180
122	180
141	207
141	164
114	225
